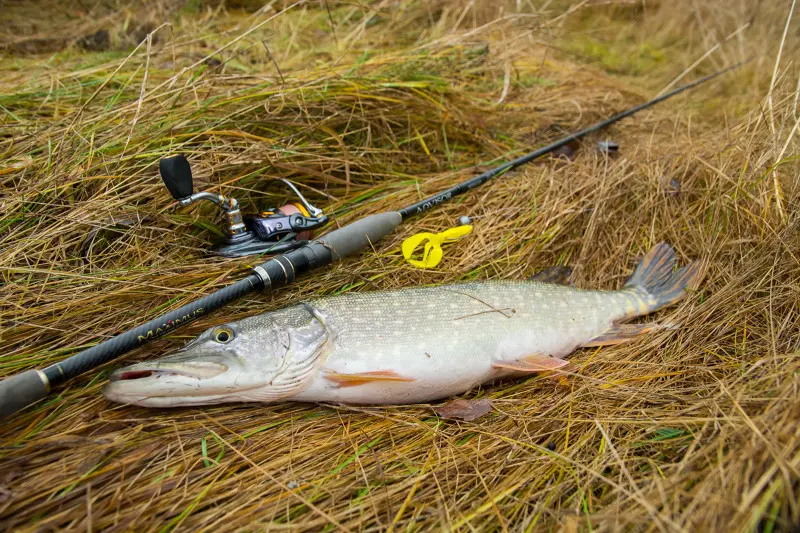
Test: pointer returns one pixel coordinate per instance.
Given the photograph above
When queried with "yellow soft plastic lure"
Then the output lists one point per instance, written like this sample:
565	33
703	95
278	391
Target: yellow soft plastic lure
432	251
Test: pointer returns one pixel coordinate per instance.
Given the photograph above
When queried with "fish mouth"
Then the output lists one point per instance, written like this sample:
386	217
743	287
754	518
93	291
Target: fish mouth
177	381
133	374
130	375
196	370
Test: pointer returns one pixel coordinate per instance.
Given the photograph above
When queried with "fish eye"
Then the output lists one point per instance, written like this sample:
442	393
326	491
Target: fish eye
222	335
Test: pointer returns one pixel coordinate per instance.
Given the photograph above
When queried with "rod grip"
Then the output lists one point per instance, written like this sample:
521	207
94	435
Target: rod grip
334	246
18	392
360	234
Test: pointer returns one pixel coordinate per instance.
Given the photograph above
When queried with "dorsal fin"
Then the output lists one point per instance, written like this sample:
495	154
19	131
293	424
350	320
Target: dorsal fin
557	275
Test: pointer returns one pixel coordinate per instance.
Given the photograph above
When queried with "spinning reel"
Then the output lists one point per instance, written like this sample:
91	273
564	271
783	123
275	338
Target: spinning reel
272	230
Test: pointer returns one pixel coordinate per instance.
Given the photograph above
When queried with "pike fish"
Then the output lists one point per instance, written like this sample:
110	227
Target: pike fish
404	346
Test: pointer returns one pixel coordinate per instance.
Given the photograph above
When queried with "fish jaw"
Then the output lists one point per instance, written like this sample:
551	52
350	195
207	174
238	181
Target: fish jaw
187	378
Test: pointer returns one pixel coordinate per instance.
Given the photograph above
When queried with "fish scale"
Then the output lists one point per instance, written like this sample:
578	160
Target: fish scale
490	310
403	346
459	330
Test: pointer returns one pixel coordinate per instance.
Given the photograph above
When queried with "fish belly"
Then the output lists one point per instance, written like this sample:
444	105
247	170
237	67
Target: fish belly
431	343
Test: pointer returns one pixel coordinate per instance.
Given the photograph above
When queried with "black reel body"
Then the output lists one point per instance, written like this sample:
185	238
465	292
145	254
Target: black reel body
272	231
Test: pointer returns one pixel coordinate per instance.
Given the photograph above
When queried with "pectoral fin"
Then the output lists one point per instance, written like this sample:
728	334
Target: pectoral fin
532	363
363	378
622	333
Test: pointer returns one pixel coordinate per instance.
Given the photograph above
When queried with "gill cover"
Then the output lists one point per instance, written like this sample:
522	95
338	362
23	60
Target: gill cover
261	358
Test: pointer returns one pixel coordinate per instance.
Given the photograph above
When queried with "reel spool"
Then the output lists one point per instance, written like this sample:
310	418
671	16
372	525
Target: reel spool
273	230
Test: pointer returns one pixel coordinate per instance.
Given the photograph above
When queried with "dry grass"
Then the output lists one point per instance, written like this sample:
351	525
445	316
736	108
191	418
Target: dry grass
693	429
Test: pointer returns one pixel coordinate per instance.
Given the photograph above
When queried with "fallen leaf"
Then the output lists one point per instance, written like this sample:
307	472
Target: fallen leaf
18	163
560	380
564	152
98	41
5	494
672	187
92	461
467	410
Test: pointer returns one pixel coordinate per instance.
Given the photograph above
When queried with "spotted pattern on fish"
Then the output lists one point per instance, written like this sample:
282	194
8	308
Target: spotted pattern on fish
404	346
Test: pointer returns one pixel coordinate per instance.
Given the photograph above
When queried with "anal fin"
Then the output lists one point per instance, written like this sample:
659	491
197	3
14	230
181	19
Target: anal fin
363	378
622	333
532	363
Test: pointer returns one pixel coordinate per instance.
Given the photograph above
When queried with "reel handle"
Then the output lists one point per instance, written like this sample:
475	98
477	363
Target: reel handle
177	176
176	173
244	235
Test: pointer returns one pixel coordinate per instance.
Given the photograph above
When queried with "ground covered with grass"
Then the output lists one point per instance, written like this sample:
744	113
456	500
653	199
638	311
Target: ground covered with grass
370	106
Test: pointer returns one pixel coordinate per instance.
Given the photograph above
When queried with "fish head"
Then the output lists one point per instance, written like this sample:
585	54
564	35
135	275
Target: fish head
262	358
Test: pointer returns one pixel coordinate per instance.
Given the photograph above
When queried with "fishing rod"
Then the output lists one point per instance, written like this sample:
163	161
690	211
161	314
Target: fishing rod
21	390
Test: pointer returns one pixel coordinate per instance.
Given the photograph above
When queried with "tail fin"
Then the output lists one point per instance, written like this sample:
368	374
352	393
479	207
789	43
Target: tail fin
656	275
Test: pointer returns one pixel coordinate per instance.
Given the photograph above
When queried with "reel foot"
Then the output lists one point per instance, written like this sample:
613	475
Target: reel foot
247	243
